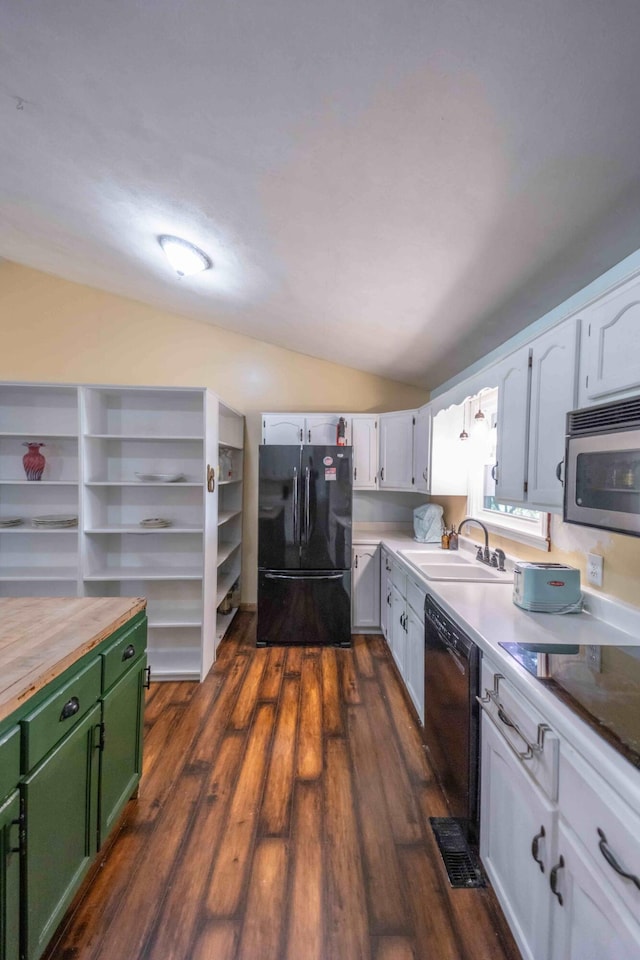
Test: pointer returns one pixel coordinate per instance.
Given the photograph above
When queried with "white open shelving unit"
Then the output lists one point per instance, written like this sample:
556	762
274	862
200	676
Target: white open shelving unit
97	440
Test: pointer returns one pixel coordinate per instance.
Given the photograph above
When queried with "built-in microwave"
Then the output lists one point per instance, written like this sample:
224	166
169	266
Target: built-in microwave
602	466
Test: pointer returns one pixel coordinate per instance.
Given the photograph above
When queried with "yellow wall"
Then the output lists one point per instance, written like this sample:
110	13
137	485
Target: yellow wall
53	330
570	544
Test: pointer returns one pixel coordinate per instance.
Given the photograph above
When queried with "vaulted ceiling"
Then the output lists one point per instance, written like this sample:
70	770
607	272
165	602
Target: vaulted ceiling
396	185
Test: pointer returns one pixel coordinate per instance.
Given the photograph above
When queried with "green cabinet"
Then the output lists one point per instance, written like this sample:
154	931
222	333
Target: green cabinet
70	759
60	805
121	756
9	877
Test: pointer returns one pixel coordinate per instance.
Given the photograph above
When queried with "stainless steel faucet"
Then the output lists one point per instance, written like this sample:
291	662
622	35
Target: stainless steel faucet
485	555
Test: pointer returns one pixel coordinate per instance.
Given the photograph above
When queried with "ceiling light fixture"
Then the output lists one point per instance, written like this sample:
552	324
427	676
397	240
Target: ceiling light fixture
184	257
464	435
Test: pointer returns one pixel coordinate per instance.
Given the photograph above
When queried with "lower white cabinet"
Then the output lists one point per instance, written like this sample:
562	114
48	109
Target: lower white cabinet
365	588
402	606
563	871
517	822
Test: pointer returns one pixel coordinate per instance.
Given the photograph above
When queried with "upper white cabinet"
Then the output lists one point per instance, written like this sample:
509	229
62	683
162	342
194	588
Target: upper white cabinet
294	428
140	470
422	449
364	439
536	389
396	450
611	345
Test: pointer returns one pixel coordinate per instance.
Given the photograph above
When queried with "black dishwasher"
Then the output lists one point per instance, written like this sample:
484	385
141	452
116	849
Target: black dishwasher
451	721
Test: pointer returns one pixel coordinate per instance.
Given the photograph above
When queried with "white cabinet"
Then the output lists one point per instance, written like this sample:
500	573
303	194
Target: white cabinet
536	389
229	489
364	440
422	449
365	588
138	467
396	450
563	871
294	428
402	618
516	817
611	345
589	922
385	594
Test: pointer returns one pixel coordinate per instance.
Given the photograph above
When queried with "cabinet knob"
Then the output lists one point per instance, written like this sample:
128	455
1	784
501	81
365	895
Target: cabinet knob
128	652
70	708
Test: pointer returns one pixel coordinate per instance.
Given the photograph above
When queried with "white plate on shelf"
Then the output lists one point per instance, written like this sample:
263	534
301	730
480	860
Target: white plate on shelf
159	477
11	522
56	520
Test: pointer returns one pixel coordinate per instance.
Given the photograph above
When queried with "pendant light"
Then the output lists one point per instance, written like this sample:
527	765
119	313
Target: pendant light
479	417
464	435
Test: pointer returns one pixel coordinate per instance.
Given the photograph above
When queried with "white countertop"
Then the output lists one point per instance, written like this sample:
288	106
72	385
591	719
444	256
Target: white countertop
487	613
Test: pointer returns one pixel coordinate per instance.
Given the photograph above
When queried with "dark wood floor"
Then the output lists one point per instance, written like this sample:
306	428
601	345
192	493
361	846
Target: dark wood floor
283	816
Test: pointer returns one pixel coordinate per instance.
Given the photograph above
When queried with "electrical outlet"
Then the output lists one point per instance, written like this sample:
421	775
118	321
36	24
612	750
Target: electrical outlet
594	569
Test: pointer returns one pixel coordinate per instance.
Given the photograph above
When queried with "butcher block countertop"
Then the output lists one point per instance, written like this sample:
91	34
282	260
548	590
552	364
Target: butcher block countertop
41	637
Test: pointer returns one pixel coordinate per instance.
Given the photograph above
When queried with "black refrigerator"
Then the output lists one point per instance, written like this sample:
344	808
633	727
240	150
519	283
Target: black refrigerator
304	545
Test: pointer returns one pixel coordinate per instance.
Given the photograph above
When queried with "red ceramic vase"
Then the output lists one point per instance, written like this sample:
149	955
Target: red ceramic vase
33	461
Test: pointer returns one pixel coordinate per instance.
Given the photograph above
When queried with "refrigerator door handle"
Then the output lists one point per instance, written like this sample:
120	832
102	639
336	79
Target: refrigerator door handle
289	576
306	505
295	504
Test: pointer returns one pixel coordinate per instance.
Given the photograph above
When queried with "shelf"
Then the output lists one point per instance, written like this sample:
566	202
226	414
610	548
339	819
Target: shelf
158	624
24	529
225	550
179	484
615	490
32	573
143	437
225	582
40	483
223	620
226	483
136	529
225	515
40	435
145	573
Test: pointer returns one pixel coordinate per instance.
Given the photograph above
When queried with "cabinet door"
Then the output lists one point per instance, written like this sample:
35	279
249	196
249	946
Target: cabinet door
210	540
9	878
513	814
612	331
364	439
414	673
322	429
396	450
385	594
591	923
397	629
121	756
513	423
365	585
283	428
553	394
422	449
61	811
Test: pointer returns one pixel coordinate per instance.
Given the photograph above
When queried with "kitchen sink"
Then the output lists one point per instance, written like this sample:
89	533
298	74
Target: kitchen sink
453	566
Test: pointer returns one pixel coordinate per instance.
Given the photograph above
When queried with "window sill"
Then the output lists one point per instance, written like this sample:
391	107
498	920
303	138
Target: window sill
535	540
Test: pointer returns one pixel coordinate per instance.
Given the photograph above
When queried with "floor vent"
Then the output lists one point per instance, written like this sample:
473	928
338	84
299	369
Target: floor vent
462	864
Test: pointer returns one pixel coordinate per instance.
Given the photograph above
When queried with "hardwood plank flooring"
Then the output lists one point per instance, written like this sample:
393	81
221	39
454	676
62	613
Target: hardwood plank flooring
282	815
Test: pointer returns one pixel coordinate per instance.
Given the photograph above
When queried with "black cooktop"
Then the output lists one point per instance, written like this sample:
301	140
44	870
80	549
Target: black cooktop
599	683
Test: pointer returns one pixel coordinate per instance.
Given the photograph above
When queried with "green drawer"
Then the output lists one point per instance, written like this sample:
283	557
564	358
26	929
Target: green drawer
9	761
122	654
60	713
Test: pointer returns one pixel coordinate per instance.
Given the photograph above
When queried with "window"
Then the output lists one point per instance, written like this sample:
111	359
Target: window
515	522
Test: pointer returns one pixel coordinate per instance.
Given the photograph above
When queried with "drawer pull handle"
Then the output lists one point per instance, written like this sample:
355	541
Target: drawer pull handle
70	708
147	679
492	696
605	850
128	652
534	848
553	880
